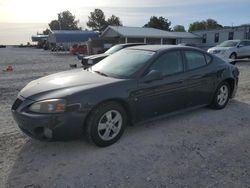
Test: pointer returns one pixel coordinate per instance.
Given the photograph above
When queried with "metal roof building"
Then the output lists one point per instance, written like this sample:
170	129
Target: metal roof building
62	36
149	35
213	37
69	38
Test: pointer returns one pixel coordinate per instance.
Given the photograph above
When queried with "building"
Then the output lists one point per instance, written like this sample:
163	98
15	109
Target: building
213	37
149	35
67	39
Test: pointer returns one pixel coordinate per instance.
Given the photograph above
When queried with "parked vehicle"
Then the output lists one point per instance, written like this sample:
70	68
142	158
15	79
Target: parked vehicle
58	49
129	86
232	49
78	49
88	61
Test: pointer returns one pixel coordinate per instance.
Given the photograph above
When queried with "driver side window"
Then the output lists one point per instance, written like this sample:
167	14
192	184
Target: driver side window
243	43
169	63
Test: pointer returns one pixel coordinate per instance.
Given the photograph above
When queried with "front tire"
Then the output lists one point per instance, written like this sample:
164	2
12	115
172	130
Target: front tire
221	96
233	56
106	124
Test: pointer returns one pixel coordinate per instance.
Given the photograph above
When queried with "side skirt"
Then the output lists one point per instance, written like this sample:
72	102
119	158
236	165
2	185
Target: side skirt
164	116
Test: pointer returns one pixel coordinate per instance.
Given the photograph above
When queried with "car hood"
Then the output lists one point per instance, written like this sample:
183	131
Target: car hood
63	83
219	48
97	56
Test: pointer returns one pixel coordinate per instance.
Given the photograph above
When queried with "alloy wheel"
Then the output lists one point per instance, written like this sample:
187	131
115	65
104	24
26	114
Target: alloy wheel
223	94
109	125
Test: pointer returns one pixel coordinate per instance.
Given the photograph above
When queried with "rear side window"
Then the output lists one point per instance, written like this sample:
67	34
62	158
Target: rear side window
169	63
195	60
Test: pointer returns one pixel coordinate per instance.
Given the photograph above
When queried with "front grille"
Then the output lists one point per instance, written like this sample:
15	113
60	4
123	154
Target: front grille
16	104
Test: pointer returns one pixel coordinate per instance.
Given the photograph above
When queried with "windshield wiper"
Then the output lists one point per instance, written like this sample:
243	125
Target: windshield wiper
101	73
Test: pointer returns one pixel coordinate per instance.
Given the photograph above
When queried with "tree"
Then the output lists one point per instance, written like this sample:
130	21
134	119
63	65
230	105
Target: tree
65	21
159	23
204	24
55	25
212	24
179	28
97	20
197	26
46	32
114	21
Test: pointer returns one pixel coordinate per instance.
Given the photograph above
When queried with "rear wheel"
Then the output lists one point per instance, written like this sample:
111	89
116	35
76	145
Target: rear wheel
106	124
221	96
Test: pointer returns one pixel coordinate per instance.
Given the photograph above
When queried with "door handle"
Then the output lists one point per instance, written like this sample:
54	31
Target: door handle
180	81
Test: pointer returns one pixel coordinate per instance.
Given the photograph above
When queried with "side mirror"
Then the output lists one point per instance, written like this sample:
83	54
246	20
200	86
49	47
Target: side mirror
153	75
239	45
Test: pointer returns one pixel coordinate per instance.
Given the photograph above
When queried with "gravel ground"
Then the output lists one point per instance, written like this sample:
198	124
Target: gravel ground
199	148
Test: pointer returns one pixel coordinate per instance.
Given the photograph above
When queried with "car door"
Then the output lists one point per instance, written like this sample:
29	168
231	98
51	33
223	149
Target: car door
247	54
164	95
200	77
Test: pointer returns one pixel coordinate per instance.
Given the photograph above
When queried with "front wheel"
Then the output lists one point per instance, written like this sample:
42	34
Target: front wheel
221	96
233	56
106	124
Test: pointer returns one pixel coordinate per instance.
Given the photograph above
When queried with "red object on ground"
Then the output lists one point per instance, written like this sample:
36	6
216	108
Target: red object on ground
9	68
78	49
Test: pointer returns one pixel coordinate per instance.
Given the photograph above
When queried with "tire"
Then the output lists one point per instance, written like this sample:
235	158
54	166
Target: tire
221	96
106	124
233	56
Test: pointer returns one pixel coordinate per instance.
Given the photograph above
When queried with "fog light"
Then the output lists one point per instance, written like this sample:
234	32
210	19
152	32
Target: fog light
48	132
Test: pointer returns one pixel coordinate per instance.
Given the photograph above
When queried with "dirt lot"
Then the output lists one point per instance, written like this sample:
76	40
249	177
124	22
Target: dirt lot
200	148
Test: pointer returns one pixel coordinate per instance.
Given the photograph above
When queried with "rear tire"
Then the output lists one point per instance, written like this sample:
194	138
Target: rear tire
221	96
106	124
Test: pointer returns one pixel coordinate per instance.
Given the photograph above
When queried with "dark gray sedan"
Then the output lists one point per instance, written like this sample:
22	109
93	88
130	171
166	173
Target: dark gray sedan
129	86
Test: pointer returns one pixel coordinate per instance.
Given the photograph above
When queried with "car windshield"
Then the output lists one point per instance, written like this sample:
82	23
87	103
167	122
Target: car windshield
228	44
123	64
113	49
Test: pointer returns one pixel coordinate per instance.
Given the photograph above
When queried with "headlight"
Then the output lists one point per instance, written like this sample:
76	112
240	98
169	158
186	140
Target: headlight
49	106
216	51
90	61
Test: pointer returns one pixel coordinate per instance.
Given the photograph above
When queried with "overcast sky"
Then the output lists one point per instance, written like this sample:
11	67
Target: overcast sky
19	19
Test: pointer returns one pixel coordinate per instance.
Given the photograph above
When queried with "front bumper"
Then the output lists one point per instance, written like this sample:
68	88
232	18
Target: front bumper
224	56
61	126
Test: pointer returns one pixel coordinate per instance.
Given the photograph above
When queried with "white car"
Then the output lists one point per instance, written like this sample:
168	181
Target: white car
232	49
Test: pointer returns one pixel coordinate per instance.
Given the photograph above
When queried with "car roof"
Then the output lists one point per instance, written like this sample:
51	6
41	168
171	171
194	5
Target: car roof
130	44
236	40
156	48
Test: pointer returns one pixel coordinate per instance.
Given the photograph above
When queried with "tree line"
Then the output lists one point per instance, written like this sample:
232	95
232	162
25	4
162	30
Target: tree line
97	22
